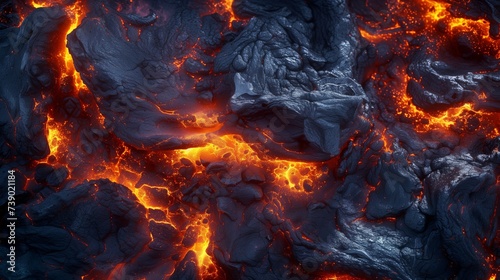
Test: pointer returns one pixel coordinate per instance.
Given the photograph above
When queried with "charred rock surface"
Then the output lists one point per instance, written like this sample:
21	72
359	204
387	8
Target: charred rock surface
150	74
293	72
93	226
26	55
295	76
252	140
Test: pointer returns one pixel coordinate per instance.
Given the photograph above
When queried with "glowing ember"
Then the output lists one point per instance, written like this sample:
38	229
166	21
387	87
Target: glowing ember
234	150
225	6
56	138
341	277
76	12
205	262
207	122
479	29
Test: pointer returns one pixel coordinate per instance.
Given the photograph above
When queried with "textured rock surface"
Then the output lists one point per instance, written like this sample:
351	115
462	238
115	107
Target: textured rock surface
26	53
308	97
299	95
95	225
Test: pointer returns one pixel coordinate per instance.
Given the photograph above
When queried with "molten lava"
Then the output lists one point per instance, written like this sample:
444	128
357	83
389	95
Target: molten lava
438	20
234	150
223	7
76	13
56	138
173	185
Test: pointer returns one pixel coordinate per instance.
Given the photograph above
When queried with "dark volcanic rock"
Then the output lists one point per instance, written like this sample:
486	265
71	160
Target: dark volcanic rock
398	182
143	85
187	268
279	87
26	57
395	189
246	193
46	174
290	92
91	228
462	195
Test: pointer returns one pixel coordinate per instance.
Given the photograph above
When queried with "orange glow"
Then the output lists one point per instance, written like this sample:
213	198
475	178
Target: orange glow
449	117
374	37
493	277
231	148
438	13
234	150
142	195
205	123
115	273
341	277
435	10
295	175
178	62
56	137
123	164
476	30
76	13
223	7
121	173
228	6
446	119
433	13
461	117
386	139
200	247
45	4
482	96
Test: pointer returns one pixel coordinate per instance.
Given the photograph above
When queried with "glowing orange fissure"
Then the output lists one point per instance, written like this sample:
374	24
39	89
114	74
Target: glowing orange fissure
293	176
435	13
76	13
290	175
225	6
228	5
200	247
341	277
441	120
55	136
232	149
123	174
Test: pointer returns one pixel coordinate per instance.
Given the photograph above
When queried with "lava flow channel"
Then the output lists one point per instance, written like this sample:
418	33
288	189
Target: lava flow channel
212	199
123	166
